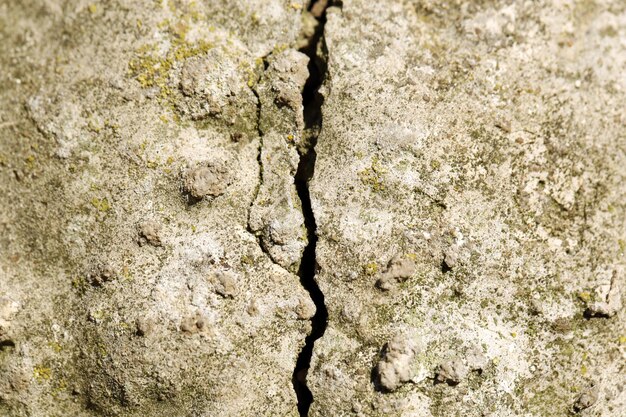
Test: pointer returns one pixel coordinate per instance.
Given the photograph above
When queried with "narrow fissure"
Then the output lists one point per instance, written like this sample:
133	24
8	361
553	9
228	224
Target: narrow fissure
259	151
312	102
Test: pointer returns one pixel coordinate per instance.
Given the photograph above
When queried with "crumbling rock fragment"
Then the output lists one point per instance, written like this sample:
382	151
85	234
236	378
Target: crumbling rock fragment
451	257
452	371
193	324
215	84
150	232
276	215
587	398
305	309
476	360
399	269
612	303
8	308
253	308
210	180
101	274
281	232
225	284
290	70
394	367
144	325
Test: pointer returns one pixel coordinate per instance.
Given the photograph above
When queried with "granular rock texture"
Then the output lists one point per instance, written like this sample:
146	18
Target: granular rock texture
130	283
485	143
162	252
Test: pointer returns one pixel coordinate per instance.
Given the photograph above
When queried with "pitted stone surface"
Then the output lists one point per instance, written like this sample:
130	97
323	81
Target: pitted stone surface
468	194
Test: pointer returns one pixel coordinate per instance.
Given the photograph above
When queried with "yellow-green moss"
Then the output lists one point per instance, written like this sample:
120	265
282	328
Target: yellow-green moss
373	176
42	373
151	69
370	268
55	346
101	204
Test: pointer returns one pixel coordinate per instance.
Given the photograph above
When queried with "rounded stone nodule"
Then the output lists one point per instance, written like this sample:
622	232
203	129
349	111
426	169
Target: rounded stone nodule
209	180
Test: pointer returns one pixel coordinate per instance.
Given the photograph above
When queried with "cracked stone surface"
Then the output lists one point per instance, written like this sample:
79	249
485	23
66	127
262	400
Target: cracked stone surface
129	282
157	246
484	143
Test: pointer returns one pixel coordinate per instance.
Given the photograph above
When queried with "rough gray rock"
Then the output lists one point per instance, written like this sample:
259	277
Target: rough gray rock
394	368
479	146
452	371
114	117
485	141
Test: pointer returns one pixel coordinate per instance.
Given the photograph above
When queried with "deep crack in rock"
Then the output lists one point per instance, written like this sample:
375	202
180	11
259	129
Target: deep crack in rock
312	102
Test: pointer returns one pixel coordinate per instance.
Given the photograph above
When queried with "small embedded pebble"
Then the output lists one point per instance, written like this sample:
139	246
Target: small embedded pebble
398	270
144	326
452	371
209	180
150	232
451	257
193	324
226	284
587	398
394	368
101	274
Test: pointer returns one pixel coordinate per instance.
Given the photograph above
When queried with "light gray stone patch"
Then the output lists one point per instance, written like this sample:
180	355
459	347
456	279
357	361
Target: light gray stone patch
395	365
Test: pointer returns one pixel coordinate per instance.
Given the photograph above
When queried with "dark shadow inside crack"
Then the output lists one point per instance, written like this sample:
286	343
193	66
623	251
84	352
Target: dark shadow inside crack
312	101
